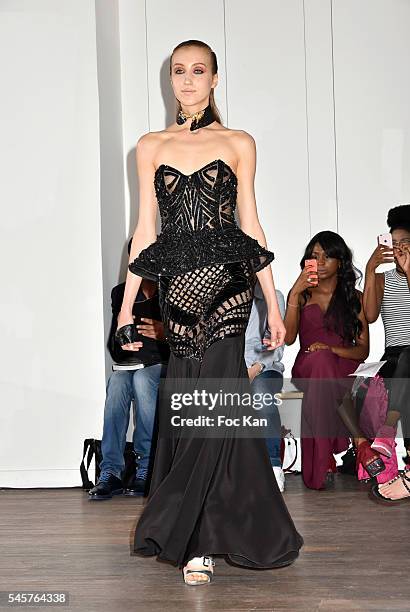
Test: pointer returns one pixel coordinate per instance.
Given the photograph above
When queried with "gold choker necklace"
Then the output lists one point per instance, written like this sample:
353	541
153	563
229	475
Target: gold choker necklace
199	119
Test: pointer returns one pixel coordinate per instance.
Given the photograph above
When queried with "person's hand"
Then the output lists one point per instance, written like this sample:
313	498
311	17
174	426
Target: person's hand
382	254
126	318
318	346
253	370
277	332
402	255
151	329
306	280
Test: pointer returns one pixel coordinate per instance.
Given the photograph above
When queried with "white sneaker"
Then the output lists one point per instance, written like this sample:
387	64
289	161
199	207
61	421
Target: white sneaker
280	477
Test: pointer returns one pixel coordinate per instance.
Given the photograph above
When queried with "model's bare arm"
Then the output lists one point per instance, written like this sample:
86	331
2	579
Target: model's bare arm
292	317
145	231
249	222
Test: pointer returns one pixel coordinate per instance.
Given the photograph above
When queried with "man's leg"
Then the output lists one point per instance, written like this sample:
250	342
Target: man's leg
116	419
399	389
271	382
400	396
145	391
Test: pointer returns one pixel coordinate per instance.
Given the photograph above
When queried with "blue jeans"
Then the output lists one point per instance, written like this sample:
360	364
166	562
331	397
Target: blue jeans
271	382
123	387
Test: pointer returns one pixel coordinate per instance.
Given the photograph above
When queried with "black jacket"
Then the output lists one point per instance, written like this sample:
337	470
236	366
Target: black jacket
153	351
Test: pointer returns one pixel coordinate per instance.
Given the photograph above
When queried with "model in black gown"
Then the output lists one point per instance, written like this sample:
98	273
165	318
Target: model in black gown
208	496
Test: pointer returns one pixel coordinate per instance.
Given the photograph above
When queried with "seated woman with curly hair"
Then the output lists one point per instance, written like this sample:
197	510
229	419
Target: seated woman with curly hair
388	294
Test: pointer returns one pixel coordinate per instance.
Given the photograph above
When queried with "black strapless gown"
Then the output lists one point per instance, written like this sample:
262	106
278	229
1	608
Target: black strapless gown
214	496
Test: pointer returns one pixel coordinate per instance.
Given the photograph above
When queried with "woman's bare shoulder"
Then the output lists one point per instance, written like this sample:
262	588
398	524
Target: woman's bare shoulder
152	139
243	143
240	143
239	136
244	147
149	143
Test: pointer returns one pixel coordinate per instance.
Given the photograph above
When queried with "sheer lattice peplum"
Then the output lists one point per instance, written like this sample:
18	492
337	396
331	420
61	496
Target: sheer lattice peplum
206	305
198	224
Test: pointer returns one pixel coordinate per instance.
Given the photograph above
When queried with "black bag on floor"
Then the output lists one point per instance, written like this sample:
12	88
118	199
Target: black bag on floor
92	448
349	462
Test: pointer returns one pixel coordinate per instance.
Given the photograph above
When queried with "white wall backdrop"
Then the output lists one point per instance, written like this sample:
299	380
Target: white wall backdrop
51	320
321	85
372	95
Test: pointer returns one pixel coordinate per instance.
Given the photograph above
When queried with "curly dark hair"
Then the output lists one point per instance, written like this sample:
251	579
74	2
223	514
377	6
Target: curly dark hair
399	218
344	307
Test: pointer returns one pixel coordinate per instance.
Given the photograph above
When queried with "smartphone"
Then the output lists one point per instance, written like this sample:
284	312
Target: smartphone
311	266
385	240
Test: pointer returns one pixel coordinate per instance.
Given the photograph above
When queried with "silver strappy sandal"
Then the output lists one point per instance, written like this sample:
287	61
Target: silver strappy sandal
202	566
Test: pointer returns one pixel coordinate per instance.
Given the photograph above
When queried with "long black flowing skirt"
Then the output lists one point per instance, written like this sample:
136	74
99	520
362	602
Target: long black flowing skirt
212	495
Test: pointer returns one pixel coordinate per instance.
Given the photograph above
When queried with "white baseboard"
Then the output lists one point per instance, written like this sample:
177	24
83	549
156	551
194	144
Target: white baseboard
28	479
32	479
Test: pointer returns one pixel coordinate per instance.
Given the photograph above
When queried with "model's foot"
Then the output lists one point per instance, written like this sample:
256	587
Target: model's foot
199	570
138	486
396	488
280	477
107	486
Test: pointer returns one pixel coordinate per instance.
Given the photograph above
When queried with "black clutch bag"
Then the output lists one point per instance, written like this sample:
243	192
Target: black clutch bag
123	335
153	351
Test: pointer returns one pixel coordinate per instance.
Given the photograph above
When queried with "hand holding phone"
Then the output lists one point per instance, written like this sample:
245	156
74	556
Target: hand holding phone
311	267
385	240
382	254
386	249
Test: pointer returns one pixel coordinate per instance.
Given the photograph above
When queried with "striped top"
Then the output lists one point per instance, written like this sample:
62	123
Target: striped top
395	309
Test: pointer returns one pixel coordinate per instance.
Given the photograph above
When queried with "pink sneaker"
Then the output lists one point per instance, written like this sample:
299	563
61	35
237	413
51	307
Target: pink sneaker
384	442
392	468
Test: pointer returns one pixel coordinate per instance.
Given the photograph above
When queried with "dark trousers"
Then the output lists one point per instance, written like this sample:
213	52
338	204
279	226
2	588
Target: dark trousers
396	373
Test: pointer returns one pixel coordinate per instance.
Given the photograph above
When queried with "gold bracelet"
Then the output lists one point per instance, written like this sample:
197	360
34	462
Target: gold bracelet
293	305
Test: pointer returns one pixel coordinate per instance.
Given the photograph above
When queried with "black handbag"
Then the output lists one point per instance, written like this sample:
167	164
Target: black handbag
349	462
118	355
92	448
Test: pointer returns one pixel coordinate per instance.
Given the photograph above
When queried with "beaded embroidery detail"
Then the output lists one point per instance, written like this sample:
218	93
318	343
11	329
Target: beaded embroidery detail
198	224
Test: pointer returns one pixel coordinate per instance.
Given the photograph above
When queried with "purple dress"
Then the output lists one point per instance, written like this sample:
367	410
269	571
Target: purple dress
321	375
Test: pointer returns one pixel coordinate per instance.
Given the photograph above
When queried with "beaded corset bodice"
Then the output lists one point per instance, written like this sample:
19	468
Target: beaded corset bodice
204	199
198	224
